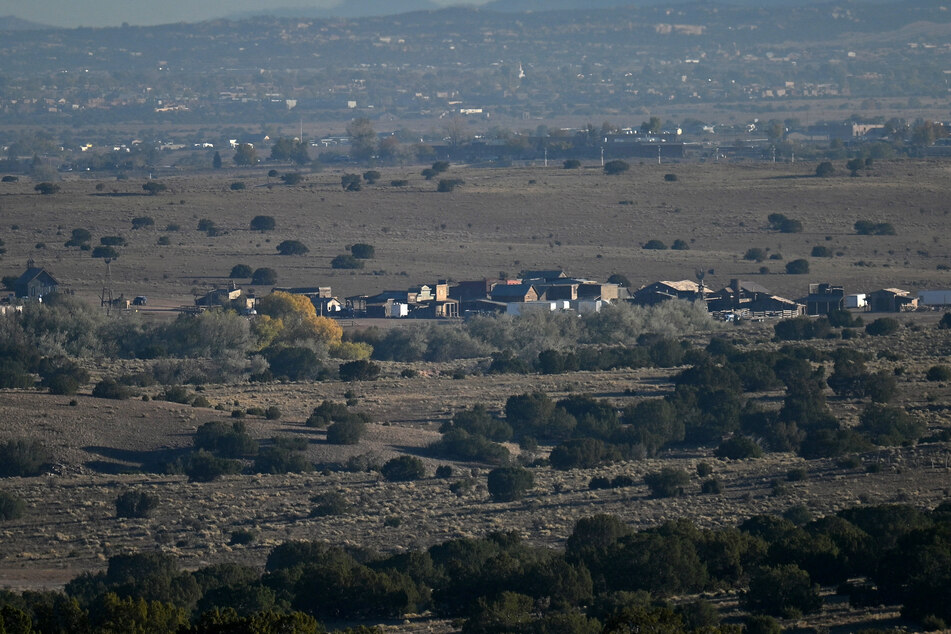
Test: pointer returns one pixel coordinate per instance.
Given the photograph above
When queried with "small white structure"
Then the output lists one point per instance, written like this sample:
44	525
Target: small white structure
398	309
586	306
934	298
858	300
523	308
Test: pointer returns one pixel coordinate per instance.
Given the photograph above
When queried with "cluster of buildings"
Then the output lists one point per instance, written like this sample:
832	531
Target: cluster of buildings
548	291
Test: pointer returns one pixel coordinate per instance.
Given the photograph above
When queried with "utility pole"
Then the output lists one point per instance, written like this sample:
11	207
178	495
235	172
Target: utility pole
602	156
658	154
546	156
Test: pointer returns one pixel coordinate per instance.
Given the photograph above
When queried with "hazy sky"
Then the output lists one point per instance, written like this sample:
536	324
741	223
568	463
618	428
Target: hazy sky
115	12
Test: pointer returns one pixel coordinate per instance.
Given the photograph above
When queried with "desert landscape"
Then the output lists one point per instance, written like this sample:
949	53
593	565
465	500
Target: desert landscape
499	221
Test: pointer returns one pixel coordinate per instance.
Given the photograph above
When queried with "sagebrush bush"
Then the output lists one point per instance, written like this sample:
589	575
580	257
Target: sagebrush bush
11	507
23	457
135	504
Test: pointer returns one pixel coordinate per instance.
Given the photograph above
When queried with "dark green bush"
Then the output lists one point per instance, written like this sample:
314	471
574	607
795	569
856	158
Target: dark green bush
784	591
262	223
654	244
280	458
11	507
363	251
135	504
292	247
403	469
571	164
110	388
938	373
264	276
23	457
346	262
738	448
668	482
509	483
347	432
616	167
330	505
203	466
458	444
359	370
222	439
883	326
797	267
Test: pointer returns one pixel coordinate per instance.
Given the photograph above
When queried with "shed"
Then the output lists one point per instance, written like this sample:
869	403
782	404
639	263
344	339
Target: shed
35	282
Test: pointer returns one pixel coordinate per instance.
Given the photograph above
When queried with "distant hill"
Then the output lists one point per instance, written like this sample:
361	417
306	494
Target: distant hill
580	5
13	23
353	9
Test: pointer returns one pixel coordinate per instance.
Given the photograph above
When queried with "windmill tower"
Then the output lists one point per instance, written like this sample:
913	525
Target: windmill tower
105	297
701	288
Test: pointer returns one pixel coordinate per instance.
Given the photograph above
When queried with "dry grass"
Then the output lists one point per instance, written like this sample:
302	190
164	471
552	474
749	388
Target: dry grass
497	222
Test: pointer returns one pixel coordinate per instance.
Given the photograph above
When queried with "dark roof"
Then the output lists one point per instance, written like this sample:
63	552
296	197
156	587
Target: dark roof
32	273
511	290
552	274
753	287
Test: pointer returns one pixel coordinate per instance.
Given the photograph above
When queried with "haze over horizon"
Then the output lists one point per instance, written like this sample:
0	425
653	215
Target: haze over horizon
96	13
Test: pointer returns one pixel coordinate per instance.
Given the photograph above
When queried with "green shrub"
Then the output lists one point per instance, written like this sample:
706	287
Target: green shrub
444	471
509	483
262	223
141	222
347	432
821	252
110	388
203	466
23	457
280	458
222	439
680	245
135	504
330	505
755	254
939	373
655	245
363	251
668	482
779	222
883	326
292	247
11	507
670	178
738	448
236	186
346	262
616	167
797	267
359	370
711	486
264	276
272	413
458	444
242	537
403	469
571	164
447	185
784	591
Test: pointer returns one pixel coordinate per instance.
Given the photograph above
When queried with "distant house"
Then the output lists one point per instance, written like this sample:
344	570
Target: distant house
514	293
891	300
543	275
662	291
220	296
35	282
823	299
745	298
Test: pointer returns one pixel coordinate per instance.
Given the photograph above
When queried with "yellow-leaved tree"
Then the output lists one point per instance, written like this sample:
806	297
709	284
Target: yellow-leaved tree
288	318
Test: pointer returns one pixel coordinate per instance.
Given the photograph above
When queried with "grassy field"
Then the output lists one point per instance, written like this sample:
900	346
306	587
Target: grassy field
506	220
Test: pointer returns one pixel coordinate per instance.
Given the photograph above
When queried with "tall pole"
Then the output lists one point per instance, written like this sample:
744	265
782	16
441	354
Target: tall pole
602	156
